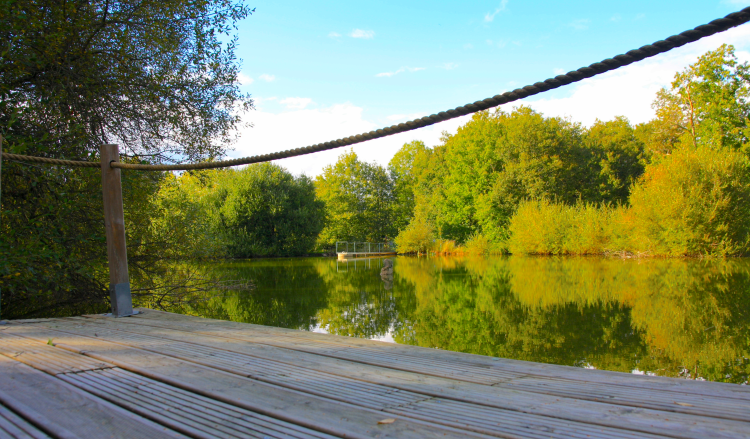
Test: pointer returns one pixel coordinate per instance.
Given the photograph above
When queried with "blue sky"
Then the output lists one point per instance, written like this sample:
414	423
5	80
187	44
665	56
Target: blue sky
323	71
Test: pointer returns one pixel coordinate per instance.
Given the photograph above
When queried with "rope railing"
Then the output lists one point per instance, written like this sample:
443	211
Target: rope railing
49	161
609	64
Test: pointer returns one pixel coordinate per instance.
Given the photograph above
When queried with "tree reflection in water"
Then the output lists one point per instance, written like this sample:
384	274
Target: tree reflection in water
688	318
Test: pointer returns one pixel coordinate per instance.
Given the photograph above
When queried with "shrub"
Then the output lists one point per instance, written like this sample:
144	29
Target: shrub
544	227
694	202
478	244
445	246
417	237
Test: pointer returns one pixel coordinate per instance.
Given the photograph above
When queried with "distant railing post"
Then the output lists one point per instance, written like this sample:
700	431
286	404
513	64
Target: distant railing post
114	224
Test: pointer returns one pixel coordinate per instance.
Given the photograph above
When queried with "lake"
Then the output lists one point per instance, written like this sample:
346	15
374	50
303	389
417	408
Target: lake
667	317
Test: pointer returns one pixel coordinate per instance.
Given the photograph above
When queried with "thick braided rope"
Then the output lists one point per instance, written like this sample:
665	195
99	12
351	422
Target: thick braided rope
714	27
48	161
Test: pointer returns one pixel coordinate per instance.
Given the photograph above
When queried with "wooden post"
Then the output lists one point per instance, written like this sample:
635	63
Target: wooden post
1	212
114	224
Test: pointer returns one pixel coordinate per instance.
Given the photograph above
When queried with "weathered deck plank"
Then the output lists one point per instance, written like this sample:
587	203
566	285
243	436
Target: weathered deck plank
58	408
206	378
14	427
472	368
194	415
546	413
280	369
302	409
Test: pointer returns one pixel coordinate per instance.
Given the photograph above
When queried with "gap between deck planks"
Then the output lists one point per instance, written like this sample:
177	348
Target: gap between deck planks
461	392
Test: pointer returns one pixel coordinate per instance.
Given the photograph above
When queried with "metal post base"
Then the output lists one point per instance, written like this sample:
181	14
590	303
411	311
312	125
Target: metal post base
122	303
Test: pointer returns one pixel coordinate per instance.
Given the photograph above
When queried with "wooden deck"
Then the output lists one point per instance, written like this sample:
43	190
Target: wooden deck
165	375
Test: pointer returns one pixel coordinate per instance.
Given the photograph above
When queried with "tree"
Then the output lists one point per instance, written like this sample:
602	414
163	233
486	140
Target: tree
358	199
708	103
152	76
477	177
694	202
405	168
618	156
263	210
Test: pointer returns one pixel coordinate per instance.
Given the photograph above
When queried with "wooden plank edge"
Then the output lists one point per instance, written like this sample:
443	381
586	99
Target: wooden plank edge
277	414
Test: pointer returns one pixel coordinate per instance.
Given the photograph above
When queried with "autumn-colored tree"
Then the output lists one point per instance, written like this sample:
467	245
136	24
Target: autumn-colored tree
694	202
708	104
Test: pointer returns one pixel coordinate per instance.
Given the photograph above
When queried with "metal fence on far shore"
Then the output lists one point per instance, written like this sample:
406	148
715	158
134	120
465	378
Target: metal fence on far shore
364	247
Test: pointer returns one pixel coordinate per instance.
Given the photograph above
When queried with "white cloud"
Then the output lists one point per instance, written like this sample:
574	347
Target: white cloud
365	34
629	91
401	70
400	117
616	18
580	24
244	79
334	35
640	16
558	71
296	103
258	100
488	17
271	133
266	77
450	66
468	46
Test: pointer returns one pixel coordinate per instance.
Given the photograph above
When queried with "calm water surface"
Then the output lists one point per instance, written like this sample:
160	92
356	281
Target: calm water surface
680	318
